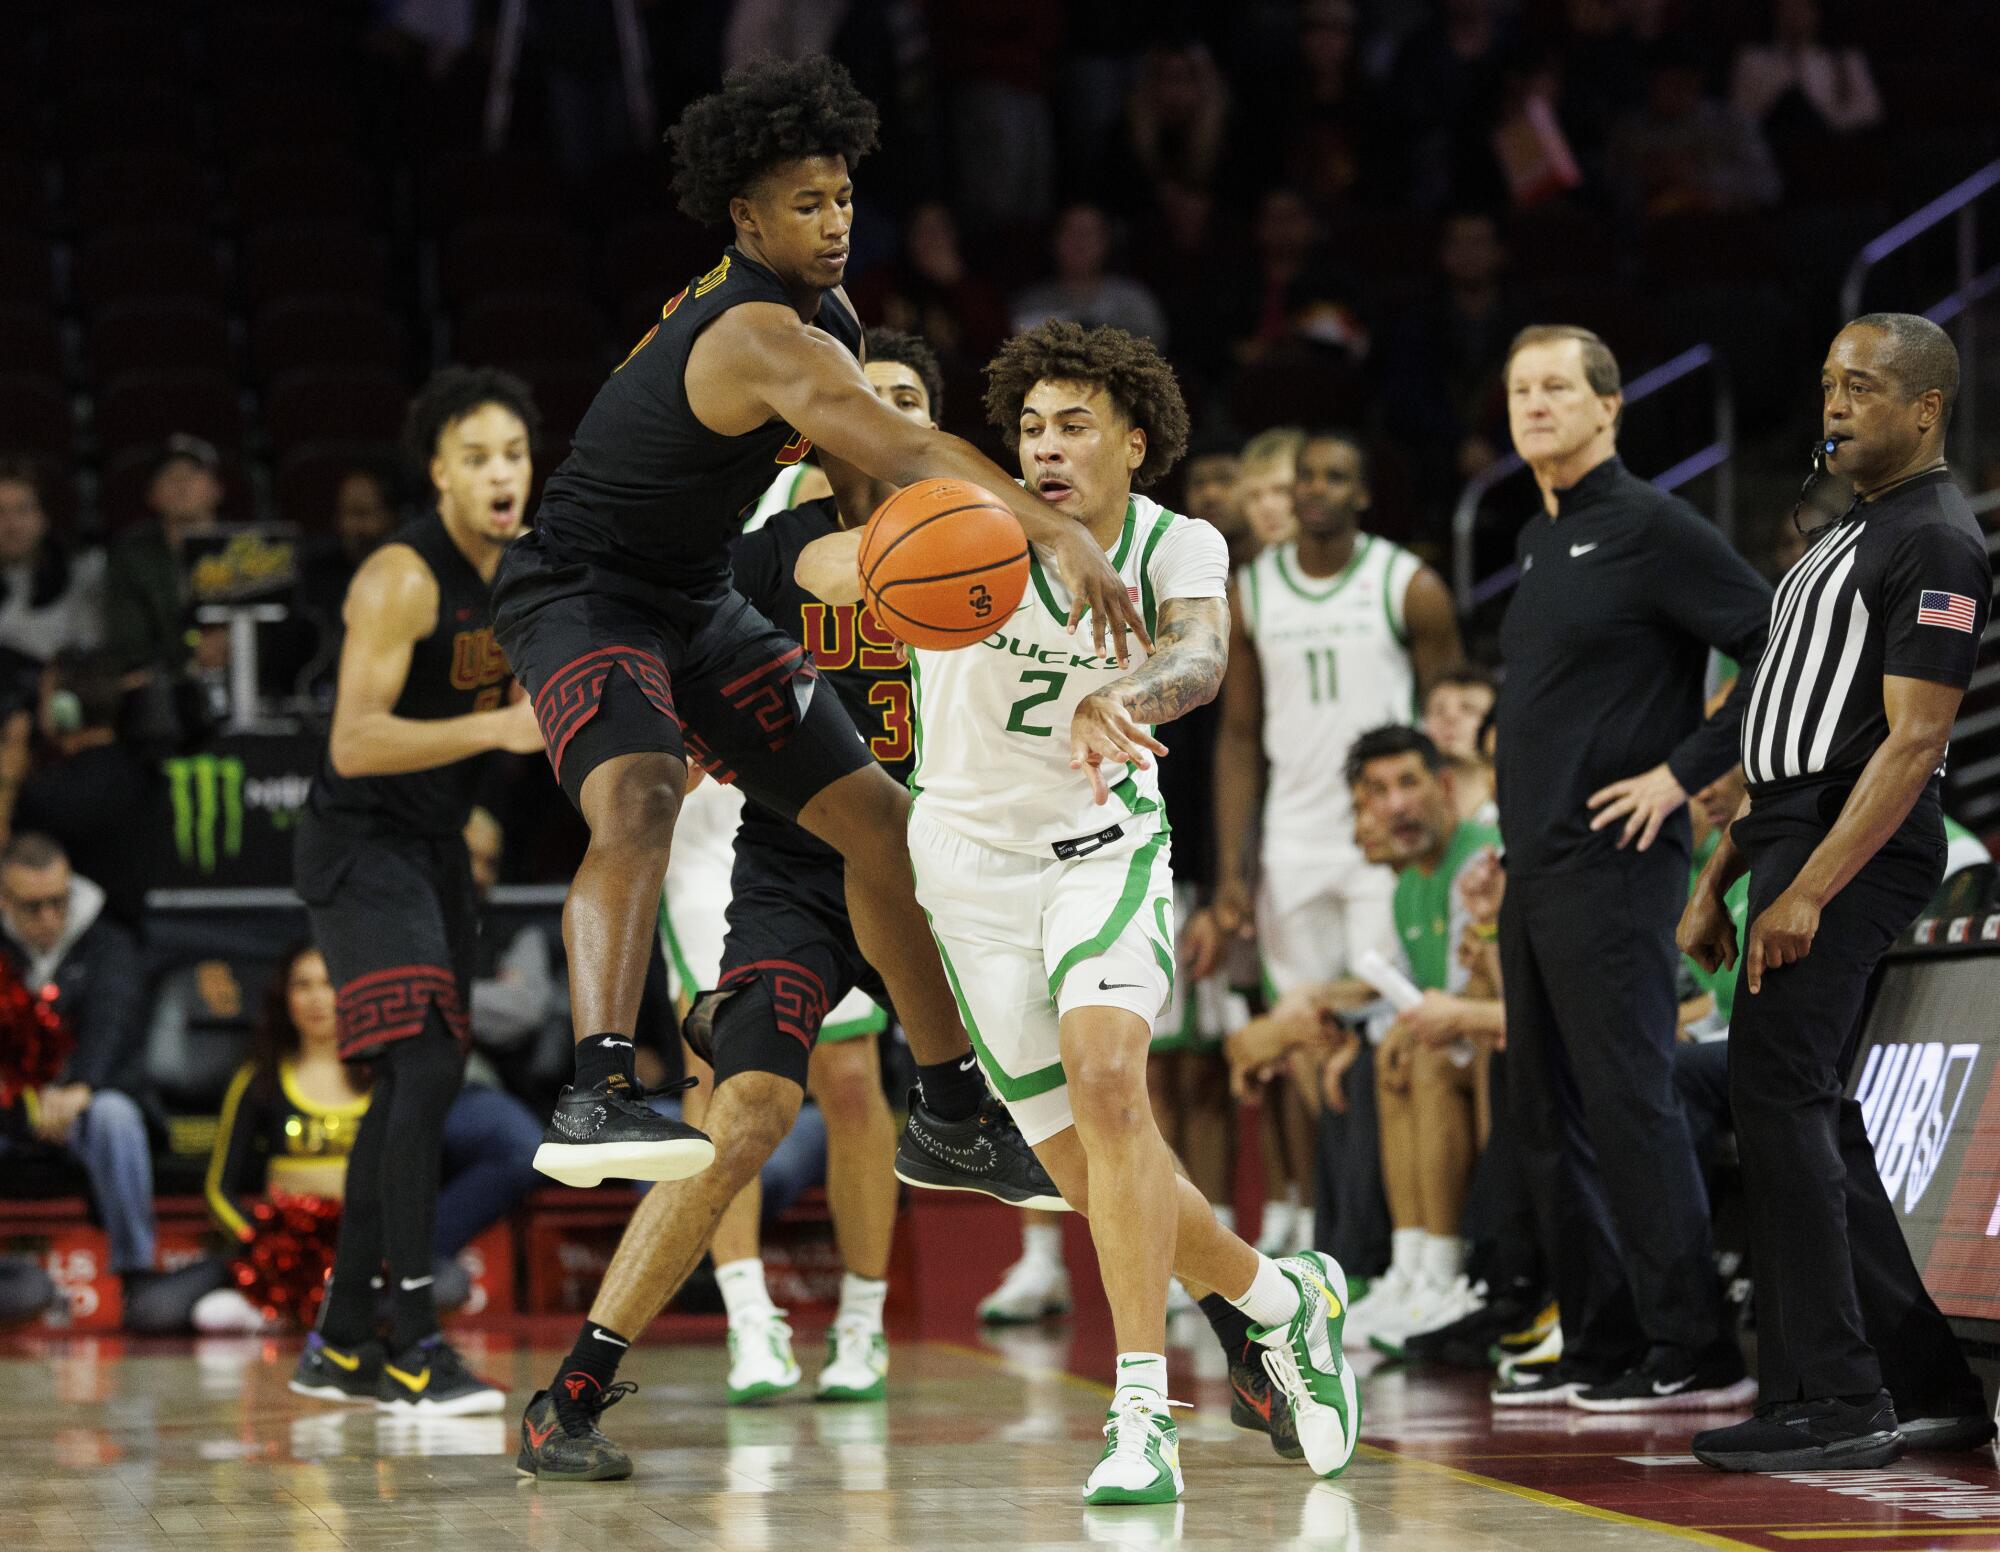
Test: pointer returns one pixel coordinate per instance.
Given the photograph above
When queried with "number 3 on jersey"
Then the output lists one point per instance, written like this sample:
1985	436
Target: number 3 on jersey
893	742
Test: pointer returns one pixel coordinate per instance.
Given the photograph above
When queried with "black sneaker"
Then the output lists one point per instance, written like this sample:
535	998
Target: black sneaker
563	1444
1257	1406
432	1379
1830	1435
329	1373
984	1153
1671	1381
610	1132
1968	1431
1540	1385
1468	1342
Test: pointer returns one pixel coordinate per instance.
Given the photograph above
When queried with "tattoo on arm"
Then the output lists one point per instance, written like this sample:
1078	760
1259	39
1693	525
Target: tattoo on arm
1190	651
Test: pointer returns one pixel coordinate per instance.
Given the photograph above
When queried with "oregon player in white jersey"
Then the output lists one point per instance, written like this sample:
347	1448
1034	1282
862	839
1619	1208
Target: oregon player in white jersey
1040	850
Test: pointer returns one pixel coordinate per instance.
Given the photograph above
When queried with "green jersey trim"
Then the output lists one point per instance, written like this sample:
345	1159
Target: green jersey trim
1148	607
674	953
1250	611
1005	1084
1346	574
873	1022
917	717
1117	563
1138	877
1396	631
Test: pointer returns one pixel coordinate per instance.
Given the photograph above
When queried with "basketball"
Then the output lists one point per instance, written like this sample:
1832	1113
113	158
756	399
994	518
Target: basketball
942	563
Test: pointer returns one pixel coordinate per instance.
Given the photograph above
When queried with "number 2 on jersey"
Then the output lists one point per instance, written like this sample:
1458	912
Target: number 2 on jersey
893	742
1323	664
1017	718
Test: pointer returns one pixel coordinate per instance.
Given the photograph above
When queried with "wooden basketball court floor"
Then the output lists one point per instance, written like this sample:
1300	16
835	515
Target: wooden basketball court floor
983	1442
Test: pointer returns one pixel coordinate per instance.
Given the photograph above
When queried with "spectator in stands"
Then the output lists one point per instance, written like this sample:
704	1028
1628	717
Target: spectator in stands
931	292
997	56
520	1005
54	598
1442	392
147	623
1456	712
1176	128
1082	290
288	1124
1214	475
65	773
1447	83
367	508
1798	88
1326	132
1286	235
1686	153
1267	470
54	935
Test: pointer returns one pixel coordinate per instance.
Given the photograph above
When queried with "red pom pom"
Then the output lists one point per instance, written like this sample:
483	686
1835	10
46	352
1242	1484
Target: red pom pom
35	1040
284	1267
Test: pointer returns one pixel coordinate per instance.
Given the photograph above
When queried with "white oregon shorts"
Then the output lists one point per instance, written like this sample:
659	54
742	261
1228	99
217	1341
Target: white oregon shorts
1317	917
696	898
1025	939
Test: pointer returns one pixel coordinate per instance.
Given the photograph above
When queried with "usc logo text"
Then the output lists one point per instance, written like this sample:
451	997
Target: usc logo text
849	636
477	663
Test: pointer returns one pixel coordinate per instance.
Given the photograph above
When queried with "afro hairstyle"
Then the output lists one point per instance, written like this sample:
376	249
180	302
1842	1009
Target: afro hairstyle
767	114
453	393
1128	367
914	352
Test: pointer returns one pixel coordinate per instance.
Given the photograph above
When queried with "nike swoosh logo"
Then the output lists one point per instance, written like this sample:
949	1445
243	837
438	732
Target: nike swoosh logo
1117	986
610	1043
1130	1363
606	1336
969	1064
537	1437
1670	1388
1261	1405
339	1359
413	1381
412	1284
1582	549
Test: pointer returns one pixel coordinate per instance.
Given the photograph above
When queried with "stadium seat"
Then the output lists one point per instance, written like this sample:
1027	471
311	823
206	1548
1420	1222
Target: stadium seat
98	115
27	269
115	40
24	191
203	1013
483	256
309	475
171	336
514	326
654	256
30	343
120	188
506	186
563	391
326	331
316	258
141	409
35	416
1296	385
128	262
274	187
358	404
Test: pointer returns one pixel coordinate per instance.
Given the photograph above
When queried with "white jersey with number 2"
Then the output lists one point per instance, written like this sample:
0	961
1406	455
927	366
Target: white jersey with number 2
993	719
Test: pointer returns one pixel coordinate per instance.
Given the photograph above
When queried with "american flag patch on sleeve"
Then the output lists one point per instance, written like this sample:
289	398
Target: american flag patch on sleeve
1953	611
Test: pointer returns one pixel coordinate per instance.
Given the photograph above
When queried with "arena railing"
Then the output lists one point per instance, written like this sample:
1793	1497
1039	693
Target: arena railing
1715	456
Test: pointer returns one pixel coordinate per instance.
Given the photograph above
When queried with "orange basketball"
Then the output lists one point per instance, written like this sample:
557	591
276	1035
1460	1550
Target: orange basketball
942	564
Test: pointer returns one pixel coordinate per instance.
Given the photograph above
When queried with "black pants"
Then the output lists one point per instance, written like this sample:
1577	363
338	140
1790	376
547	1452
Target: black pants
1352	1222
1499	1209
1588	957
1841	1308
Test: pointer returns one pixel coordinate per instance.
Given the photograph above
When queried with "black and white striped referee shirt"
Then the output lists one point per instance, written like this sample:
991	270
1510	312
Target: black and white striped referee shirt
1901	586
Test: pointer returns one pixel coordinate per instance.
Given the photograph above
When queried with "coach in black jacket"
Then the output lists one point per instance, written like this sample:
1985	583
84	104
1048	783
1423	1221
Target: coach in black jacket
1623	592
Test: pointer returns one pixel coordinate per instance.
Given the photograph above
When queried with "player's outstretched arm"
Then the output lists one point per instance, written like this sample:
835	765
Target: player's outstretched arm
391	605
1183	672
829	569
807	376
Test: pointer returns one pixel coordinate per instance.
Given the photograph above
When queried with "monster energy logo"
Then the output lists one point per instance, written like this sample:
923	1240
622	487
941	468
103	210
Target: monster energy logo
207	792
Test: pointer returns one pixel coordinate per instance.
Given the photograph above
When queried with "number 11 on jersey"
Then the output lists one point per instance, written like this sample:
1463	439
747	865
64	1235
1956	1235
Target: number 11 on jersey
1323	665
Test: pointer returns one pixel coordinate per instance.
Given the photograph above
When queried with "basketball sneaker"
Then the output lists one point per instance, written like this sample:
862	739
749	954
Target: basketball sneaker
431	1378
761	1364
1258	1406
1384	1297
564	1444
857	1363
1548	1383
329	1373
608	1131
1032	1289
1303	1360
1141	1463
1429	1306
1671	1379
985	1153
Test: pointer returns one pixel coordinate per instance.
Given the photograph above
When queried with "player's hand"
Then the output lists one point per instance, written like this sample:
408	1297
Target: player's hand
1435	1020
1333	1076
15	753
1101	730
1782	936
1706	934
1094	584
58	1109
1202	945
1394	1055
1482	885
516	730
1644	802
1234	911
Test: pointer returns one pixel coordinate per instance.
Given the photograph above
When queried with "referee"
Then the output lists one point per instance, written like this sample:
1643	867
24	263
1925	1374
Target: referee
1873	637
1623	592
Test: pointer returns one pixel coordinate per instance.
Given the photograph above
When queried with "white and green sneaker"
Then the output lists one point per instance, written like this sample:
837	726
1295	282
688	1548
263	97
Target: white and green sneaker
1141	1463
857	1363
761	1364
1304	1361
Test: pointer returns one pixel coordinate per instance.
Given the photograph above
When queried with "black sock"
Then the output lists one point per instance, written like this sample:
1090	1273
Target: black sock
428	1071
602	1058
951	1090
590	1368
1231	1326
348	1318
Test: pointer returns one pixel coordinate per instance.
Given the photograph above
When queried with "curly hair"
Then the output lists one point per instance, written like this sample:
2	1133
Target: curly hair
766	114
453	393
914	352
1128	367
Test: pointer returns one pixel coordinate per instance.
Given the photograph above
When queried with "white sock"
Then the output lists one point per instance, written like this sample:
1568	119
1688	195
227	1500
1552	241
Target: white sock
743	1292
1443	1259
1406	1252
1042	1242
1270	1300
1145	1372
1226	1216
861	1300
